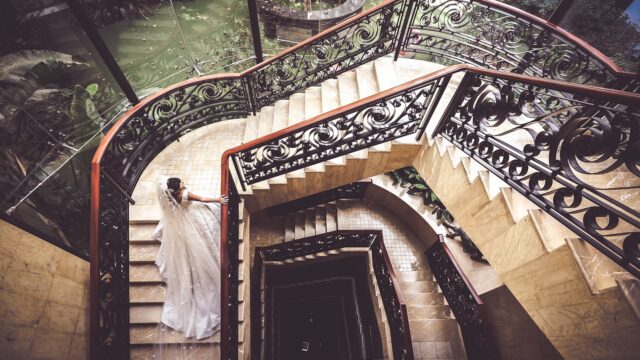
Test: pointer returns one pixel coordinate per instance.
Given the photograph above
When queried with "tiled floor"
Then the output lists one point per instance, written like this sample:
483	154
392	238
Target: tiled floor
195	159
402	244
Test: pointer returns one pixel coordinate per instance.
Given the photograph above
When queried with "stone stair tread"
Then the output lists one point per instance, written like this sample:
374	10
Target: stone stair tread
414	275
312	102
200	351
144	252
366	78
265	122
144	214
385	71
423	299
347	88
145	294
280	115
251	128
434	330
428	312
330	96
418	286
296	108
149	334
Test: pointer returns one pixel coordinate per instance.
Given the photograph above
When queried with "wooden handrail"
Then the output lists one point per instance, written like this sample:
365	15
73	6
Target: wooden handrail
97	158
464	277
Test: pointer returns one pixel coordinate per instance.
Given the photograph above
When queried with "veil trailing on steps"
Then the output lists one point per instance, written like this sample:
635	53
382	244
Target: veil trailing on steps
189	264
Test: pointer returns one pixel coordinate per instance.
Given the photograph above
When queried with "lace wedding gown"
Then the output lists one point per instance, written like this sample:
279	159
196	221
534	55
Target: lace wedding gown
189	263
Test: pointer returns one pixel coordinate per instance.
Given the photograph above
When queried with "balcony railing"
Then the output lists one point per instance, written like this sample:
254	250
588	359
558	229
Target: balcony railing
393	25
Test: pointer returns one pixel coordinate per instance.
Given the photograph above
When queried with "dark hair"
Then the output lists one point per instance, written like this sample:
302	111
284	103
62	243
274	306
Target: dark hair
173	184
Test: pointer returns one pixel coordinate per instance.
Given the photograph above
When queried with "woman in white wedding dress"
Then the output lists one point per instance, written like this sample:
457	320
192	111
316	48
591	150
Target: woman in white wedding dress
189	259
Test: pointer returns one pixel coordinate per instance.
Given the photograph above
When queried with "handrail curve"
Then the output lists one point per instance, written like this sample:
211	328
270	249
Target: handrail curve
147	128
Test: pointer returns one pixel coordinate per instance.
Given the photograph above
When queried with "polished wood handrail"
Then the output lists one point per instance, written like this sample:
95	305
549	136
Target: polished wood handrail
97	158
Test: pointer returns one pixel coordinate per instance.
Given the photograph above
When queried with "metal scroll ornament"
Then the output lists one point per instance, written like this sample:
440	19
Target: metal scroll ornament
575	156
471	32
360	128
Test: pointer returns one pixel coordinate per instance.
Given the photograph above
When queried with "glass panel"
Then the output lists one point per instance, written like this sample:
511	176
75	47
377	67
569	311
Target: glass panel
611	26
56	100
291	21
145	40
540	8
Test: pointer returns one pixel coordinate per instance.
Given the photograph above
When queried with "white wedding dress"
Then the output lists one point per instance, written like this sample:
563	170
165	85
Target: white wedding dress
189	263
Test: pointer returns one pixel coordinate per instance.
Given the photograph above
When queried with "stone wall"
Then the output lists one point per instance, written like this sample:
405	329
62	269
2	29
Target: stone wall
514	333
44	299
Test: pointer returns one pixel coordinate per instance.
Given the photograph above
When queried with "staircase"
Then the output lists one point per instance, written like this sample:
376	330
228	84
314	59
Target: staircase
366	80
434	330
578	298
147	291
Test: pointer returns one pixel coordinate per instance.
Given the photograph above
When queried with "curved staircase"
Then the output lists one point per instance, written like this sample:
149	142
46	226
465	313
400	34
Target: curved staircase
576	296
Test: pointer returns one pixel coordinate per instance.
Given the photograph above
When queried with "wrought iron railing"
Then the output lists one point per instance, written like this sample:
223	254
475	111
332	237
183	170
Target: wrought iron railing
574	152
394	306
464	302
393	25
354	191
493	35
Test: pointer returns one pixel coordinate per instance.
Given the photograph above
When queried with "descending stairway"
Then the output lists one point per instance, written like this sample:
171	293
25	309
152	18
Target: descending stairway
433	327
147	291
578	298
350	86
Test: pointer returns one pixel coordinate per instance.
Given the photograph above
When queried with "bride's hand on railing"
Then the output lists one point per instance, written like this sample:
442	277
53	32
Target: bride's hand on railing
223	199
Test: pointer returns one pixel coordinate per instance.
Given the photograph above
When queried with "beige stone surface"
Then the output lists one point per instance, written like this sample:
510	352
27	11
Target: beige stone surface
543	274
44	306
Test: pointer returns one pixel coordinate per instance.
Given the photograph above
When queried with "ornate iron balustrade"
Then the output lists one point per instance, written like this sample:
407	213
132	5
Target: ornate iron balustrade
158	120
465	304
574	153
339	49
229	272
326	137
395	309
493	35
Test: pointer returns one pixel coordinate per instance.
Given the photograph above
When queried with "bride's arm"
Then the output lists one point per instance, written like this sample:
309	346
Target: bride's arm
191	196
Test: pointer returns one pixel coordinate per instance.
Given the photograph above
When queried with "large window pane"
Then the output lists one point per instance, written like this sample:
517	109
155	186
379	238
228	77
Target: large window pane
611	26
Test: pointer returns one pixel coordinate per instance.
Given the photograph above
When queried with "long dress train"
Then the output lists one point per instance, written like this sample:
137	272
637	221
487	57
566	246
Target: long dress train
189	263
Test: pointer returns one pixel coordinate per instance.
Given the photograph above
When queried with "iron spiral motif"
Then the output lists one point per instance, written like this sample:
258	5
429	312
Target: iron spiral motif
395	311
169	117
396	116
574	155
463	304
360	42
473	32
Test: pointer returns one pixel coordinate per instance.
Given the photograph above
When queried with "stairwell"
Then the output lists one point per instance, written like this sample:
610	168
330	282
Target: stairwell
576	296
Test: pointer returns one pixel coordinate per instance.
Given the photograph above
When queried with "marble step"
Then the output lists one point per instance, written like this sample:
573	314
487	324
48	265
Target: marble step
142	233
418	286
280	115
332	217
423	299
414	275
290	227
428	312
330	96
299	225
385	71
250	129
146	293
265	121
205	351
320	219
144	214
145	252
366	78
312	102
347	88
296	108
434	330
152	334
310	222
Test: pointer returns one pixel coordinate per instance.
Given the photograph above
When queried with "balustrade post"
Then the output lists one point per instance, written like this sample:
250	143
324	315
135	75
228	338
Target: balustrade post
407	14
255	30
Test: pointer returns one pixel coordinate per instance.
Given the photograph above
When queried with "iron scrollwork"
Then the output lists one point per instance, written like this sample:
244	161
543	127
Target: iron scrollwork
362	127
233	267
357	43
463	304
167	118
576	156
476	33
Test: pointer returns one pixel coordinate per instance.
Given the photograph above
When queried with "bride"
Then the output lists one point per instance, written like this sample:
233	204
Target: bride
189	259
